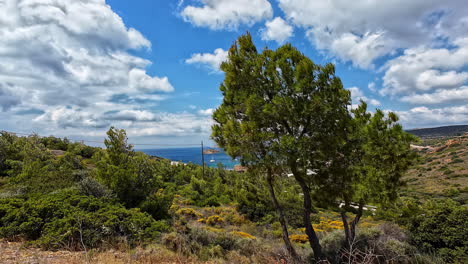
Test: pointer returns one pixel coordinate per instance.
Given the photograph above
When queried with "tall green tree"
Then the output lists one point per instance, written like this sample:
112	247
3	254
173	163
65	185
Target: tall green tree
129	174
280	110
371	164
241	119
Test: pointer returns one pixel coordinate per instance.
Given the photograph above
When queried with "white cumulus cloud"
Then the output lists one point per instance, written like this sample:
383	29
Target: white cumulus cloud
277	30
423	116
66	68
206	112
423	69
441	96
211	60
364	30
227	14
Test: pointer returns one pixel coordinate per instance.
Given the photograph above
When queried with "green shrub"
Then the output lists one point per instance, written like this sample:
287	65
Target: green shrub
332	243
442	228
158	204
90	187
82	150
55	143
68	219
205	243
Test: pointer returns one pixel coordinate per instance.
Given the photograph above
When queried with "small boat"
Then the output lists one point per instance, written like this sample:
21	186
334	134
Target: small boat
212	160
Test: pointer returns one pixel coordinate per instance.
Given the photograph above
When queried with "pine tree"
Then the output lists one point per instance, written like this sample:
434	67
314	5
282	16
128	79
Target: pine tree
282	112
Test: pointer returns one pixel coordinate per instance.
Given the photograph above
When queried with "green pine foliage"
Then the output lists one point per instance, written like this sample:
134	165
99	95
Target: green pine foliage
67	219
441	226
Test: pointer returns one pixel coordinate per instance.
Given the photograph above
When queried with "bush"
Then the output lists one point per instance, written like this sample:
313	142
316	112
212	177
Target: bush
332	243
243	235
90	187
204	243
299	238
188	212
68	219
82	150
442	228
214	220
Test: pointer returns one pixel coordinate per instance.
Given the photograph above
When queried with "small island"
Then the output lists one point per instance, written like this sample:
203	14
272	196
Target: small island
210	151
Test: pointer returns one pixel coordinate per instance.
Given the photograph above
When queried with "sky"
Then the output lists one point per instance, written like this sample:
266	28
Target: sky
75	68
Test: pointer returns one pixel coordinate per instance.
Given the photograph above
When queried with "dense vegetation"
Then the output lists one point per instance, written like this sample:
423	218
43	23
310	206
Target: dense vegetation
313	162
68	200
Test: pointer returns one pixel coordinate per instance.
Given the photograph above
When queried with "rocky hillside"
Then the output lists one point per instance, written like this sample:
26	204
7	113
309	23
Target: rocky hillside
442	170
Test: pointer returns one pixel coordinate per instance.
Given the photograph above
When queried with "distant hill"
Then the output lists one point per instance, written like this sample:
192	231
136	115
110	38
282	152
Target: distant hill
436	132
441	172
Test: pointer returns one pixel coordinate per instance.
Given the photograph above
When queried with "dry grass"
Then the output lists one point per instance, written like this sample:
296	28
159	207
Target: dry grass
15	253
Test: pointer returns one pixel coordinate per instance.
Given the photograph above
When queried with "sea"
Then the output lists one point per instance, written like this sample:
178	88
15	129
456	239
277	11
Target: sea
193	155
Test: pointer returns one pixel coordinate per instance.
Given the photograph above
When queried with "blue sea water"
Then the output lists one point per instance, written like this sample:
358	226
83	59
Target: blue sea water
193	155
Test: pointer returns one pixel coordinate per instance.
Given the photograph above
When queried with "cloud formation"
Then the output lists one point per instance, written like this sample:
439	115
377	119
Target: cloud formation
66	68
357	95
441	96
277	30
227	14
365	30
425	117
423	69
206	112
211	60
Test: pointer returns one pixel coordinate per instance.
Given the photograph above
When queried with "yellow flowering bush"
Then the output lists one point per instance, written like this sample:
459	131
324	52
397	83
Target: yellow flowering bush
214	220
188	212
299	238
243	235
212	229
328	225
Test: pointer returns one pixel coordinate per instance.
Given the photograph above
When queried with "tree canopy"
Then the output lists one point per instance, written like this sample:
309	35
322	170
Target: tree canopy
281	112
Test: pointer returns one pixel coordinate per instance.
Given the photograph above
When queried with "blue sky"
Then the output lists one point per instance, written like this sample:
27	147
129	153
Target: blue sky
151	67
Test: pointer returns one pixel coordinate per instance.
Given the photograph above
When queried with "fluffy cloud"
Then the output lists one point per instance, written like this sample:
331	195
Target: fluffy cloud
211	60
277	30
357	95
459	95
179	124
139	80
206	112
138	123
71	117
132	115
66	69
362	50
426	69
426	117
365	30
227	14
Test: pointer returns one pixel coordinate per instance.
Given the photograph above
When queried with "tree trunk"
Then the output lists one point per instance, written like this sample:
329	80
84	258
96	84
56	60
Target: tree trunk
282	220
347	232
313	239
356	221
350	228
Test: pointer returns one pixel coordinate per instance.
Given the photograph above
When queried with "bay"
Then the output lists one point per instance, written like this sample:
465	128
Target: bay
193	155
